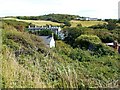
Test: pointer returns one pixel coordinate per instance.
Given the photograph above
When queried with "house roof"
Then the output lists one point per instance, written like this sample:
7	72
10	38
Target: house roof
42	28
110	44
46	39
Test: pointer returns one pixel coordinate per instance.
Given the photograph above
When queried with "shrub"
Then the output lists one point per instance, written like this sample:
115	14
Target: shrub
84	41
101	49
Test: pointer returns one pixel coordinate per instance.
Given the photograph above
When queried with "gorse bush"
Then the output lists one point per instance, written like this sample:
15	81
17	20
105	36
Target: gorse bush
102	49
86	40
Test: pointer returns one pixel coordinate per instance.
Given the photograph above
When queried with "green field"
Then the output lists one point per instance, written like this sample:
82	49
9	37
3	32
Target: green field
41	22
74	23
37	22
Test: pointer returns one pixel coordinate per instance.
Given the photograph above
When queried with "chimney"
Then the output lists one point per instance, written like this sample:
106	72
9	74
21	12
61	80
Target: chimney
29	26
49	26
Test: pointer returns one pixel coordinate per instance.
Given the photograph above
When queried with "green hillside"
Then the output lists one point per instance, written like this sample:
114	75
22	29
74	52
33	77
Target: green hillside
61	18
28	63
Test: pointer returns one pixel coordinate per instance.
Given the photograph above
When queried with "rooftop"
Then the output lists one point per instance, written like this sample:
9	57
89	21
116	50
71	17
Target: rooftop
110	44
46	39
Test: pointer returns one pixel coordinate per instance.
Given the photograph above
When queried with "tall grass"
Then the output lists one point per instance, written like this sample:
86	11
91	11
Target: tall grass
15	75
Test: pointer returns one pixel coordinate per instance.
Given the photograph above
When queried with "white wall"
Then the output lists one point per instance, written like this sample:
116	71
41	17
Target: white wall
52	42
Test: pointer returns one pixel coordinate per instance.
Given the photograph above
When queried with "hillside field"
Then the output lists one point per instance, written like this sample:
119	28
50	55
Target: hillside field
74	23
37	22
41	22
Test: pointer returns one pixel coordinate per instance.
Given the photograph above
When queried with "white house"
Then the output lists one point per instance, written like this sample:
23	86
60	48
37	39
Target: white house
48	41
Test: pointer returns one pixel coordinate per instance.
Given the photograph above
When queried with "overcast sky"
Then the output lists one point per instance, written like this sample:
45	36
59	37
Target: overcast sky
90	8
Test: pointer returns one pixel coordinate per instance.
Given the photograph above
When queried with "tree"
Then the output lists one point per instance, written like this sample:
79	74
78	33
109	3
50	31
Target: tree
67	23
94	45
79	25
111	25
118	21
71	34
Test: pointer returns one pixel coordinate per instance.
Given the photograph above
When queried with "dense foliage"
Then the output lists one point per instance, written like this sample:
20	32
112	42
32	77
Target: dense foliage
94	45
87	40
106	36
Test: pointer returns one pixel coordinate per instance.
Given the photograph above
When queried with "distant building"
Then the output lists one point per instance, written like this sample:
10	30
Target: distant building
115	45
87	19
56	30
49	41
93	19
119	10
82	18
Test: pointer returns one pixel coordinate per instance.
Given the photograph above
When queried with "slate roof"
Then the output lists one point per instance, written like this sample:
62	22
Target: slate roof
42	28
110	44
46	39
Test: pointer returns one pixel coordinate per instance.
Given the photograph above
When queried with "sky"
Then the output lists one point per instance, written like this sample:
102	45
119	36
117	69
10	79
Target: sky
102	9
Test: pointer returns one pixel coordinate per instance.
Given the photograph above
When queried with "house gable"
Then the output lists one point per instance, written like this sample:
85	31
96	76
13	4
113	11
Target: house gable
48	41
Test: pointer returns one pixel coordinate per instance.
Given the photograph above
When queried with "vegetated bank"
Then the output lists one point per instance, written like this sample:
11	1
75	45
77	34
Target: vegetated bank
28	63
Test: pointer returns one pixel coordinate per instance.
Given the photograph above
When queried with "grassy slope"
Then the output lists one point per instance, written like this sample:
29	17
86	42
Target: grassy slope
74	23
